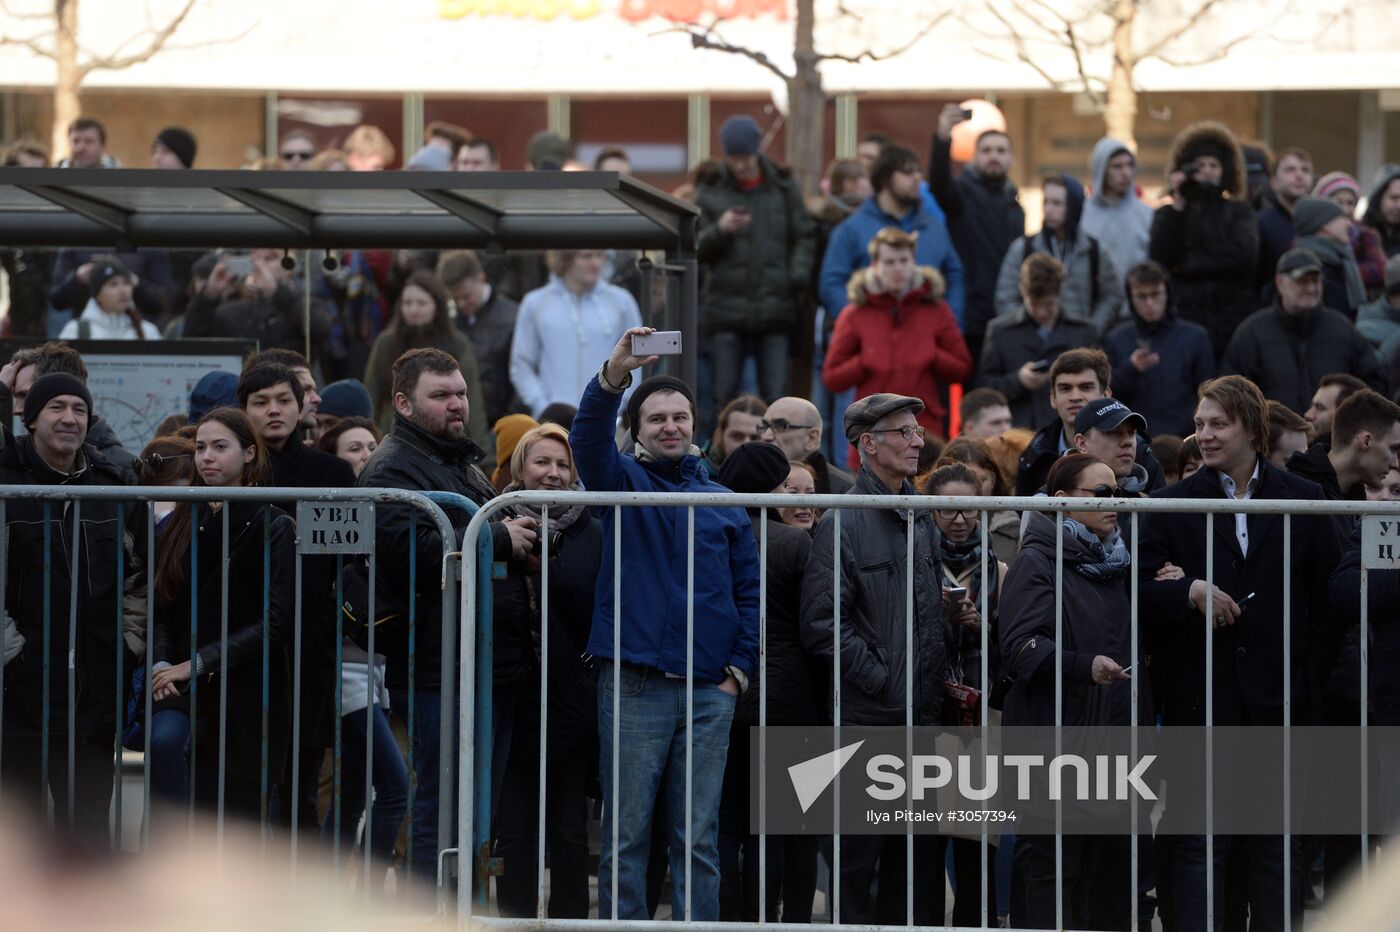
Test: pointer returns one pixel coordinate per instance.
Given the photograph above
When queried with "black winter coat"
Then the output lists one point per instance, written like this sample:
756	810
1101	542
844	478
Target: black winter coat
1286	356
794	681
279	321
755	275
517	643
984	219
1014	340
1097	619
33	573
873	608
1248	655
409	458
1383	623
1210	249
491	333
248	522
298	466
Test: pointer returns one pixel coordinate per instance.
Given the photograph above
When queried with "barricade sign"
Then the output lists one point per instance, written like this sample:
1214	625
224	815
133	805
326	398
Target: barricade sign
1380	542
335	527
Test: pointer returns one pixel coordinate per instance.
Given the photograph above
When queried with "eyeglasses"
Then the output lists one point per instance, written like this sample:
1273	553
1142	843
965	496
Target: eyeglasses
781	425
952	514
1103	491
906	432
297	154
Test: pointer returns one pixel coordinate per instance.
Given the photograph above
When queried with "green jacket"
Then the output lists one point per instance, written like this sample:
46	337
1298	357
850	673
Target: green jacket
755	276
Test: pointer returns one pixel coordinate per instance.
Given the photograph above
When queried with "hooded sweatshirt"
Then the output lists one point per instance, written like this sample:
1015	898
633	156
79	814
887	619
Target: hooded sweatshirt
1122	229
1091	290
1390	235
1165	394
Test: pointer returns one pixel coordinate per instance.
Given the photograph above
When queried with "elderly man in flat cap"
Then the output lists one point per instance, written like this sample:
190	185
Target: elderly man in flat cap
873	641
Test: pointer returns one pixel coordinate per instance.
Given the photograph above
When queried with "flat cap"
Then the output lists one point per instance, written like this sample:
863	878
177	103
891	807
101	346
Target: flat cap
865	412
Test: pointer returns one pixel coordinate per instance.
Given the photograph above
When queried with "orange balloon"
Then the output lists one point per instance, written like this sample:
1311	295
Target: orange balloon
985	116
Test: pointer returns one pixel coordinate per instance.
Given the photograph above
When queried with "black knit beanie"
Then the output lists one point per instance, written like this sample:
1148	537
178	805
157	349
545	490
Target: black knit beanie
181	142
652	385
48	387
754	467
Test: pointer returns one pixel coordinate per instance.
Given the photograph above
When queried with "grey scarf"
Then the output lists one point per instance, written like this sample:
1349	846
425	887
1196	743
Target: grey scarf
1332	252
1108	557
560	517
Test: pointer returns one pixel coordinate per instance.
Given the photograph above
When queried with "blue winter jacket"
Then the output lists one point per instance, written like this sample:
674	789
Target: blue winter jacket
654	558
849	250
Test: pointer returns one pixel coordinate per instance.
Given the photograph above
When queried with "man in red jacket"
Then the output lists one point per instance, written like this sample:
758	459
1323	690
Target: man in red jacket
898	334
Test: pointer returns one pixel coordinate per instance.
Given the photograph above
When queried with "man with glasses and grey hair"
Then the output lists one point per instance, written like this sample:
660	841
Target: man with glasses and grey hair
795	426
875	686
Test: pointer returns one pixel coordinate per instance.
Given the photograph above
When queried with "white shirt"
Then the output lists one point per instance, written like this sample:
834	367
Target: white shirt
1241	520
104	326
562	338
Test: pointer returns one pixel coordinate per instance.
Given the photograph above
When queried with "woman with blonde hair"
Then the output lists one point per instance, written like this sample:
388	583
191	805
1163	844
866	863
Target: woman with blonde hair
544	461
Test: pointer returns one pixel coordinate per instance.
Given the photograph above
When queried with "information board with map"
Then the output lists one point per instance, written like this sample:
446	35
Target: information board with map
136	384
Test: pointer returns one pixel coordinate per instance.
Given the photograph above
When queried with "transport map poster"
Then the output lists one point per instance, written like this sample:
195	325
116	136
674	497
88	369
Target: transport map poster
136	384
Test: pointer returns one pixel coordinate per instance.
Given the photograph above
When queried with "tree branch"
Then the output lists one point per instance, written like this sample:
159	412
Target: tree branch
868	55
1084	78
31	17
1192	21
156	43
1022	53
31	43
705	37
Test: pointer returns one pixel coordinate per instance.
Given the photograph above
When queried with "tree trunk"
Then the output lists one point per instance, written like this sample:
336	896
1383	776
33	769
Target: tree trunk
66	105
1120	110
806	104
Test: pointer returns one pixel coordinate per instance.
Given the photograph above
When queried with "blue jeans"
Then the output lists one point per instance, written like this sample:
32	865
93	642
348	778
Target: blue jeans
423	820
390	776
652	736
728	353
832	408
170	757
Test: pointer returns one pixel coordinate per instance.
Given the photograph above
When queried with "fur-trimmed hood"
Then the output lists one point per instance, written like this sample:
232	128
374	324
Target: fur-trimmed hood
865	285
1216	135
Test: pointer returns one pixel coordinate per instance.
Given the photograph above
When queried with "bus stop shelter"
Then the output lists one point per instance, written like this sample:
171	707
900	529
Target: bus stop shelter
132	209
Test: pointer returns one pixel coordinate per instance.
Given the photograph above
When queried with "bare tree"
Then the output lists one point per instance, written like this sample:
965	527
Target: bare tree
806	94
1093	47
57	40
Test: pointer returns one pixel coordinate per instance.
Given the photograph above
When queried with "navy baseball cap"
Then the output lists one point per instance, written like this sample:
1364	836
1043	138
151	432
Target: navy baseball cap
1106	414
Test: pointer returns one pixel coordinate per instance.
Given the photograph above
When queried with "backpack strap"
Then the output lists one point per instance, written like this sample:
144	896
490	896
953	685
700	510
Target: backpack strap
84	329
1093	272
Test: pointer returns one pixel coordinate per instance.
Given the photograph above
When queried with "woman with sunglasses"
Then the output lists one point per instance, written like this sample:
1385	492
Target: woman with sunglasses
1096	660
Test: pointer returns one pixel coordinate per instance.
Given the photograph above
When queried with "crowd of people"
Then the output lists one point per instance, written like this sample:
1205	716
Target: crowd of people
1239	341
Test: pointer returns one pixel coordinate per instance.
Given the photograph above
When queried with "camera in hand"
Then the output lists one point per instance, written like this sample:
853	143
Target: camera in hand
556	538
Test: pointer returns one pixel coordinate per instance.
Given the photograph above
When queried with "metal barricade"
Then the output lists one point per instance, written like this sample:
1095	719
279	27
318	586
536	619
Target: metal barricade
61	512
474	776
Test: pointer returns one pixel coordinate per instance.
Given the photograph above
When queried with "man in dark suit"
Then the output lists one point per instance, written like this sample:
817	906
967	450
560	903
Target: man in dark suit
1247	643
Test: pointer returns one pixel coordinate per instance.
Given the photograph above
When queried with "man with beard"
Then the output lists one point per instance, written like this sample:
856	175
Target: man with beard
427	448
1292	179
897	202
984	216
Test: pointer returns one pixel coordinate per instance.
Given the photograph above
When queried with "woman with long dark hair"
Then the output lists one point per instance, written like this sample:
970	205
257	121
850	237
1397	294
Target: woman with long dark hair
421	320
190	651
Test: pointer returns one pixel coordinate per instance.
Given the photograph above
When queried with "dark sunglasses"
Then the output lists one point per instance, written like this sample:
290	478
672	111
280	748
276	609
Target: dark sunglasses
1103	491
302	156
